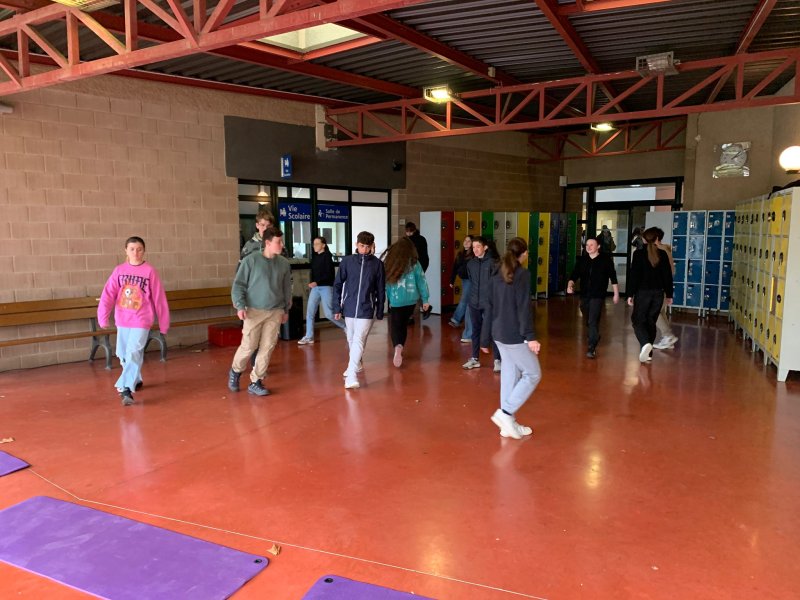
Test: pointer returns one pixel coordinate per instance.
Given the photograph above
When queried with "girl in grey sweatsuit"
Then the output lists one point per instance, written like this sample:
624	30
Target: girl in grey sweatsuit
509	322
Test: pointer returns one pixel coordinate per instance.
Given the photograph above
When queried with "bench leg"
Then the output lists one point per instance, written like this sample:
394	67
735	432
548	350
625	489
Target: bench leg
162	342
104	343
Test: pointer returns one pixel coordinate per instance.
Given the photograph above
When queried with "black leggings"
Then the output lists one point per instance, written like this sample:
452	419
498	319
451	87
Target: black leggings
646	308
398	323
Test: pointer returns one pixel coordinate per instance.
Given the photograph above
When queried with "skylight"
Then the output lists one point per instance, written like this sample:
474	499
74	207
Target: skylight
313	38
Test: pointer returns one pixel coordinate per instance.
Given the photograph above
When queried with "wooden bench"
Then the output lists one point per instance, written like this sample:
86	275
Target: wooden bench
73	309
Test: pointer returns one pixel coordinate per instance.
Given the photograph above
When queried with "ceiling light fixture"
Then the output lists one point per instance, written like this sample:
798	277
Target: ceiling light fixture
790	160
439	94
606	126
662	62
261	191
88	5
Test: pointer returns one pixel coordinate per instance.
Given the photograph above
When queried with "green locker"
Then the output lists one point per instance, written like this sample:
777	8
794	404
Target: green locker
533	249
487	225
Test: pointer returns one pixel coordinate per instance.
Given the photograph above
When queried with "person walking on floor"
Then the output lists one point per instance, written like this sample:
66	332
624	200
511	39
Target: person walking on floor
262	296
323	272
420	243
594	270
135	293
460	270
405	286
481	268
650	282
666	337
509	322
358	295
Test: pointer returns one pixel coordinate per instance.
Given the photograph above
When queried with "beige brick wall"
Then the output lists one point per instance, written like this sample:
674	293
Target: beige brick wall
466	177
85	165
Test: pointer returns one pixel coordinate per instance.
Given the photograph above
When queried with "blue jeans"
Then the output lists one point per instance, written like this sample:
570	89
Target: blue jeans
462	314
130	351
320	294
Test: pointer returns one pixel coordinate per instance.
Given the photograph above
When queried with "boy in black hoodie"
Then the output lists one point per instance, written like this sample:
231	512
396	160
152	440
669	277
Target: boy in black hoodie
322	273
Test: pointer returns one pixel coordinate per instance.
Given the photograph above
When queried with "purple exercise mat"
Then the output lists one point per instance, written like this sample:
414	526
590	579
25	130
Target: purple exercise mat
117	558
9	464
333	587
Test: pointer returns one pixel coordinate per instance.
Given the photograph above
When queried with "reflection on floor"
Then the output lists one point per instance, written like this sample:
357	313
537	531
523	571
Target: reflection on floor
677	479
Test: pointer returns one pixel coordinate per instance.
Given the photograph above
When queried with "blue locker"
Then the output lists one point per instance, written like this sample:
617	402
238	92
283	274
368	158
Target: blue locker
679	247
711	297
712	272
725	298
678	293
697	247
680	223
694	272
727	269
680	271
694	295
716	222
730	220
697	222
727	248
713	248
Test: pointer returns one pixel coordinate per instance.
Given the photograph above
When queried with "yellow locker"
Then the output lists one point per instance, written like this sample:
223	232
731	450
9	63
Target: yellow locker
783	255
523	231
786	215
770	329
460	225
776	339
543	254
774	217
780	293
474	223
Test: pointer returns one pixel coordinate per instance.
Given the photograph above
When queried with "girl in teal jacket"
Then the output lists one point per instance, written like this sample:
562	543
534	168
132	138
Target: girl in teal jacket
405	286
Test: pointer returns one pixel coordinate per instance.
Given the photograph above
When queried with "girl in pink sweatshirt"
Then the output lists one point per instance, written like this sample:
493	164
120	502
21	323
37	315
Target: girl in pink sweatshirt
135	293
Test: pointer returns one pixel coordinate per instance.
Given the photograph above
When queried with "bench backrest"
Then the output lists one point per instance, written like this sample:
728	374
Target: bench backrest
69	309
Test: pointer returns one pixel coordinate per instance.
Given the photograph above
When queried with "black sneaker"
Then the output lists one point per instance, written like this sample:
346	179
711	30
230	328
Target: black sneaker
257	389
426	313
126	396
233	380
138	386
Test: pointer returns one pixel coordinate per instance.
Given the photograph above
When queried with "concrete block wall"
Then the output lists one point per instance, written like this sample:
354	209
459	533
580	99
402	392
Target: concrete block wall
464	178
83	166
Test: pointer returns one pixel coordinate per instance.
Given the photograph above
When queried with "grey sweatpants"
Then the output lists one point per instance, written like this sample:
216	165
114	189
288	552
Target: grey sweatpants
519	375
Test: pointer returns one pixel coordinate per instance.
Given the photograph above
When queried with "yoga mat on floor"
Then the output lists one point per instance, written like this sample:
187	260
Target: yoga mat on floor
117	558
9	464
333	587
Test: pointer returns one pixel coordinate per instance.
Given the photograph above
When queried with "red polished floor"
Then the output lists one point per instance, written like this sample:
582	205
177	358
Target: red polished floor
678	479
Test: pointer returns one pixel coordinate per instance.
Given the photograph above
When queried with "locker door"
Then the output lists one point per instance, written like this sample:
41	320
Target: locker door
543	259
523	231
487	225
474	223
533	249
448	255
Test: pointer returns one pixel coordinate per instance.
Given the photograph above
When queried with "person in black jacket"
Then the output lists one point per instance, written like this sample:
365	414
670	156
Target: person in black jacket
649	283
420	243
359	295
321	285
594	270
481	269
460	270
509	322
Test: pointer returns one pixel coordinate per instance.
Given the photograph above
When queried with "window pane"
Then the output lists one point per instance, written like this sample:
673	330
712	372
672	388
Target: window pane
301	192
328	195
374	219
372	197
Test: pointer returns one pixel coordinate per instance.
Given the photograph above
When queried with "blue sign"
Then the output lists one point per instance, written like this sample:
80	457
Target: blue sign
333	212
295	211
286	166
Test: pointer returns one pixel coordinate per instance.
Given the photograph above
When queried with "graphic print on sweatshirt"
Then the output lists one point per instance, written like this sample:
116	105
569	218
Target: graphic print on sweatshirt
131	295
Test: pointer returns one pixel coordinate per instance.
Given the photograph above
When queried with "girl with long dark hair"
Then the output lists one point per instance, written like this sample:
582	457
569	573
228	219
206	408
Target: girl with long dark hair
509	322
405	285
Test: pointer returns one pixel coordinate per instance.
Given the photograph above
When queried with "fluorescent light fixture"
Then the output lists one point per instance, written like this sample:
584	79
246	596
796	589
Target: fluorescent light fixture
603	126
439	94
88	5
790	160
663	62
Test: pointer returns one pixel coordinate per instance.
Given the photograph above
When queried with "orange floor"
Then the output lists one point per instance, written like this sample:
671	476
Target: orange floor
678	479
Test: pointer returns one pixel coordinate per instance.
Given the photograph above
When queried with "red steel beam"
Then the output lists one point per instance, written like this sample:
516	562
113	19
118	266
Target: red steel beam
200	83
335	12
757	20
658	108
586	6
567	32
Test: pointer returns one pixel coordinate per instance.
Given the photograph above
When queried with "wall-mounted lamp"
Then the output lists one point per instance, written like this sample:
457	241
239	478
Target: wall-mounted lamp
262	191
439	94
790	160
603	126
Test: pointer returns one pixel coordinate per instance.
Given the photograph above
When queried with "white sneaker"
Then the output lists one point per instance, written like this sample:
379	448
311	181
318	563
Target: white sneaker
662	344
466	340
509	426
497	366
472	363
644	355
305	340
351	385
358	370
398	356
673	339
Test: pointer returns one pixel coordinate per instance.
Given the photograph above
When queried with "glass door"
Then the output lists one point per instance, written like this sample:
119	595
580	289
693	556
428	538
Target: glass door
613	227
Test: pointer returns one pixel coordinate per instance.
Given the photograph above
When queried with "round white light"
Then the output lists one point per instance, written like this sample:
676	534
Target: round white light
790	159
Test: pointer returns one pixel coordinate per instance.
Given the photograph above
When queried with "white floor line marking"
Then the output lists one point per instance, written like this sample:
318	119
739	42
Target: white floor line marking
298	546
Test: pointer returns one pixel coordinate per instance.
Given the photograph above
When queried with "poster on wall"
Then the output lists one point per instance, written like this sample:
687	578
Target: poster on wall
733	160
